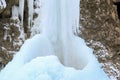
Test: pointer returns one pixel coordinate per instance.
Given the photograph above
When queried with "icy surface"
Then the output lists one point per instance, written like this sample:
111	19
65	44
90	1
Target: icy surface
30	11
15	12
28	51
21	10
72	59
49	68
2	4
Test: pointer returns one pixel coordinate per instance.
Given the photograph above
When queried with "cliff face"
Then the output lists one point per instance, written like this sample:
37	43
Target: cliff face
13	32
11	37
101	30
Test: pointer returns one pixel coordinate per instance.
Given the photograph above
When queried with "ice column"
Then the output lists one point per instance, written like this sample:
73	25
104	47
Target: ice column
59	17
30	12
21	10
15	12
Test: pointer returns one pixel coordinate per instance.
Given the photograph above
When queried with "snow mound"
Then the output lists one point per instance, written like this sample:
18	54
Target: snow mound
28	51
49	68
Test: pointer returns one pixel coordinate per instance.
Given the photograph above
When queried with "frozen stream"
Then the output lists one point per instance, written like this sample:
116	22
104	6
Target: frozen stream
56	53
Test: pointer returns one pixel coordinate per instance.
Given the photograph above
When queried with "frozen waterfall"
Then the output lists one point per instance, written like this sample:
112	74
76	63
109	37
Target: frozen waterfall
56	53
2	4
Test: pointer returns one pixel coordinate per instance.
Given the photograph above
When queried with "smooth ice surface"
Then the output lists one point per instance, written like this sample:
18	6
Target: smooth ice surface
30	12
15	12
72	59
21	10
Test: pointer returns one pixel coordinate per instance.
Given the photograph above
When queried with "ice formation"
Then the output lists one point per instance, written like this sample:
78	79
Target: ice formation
35	60
36	28
21	10
49	68
15	12
2	4
30	12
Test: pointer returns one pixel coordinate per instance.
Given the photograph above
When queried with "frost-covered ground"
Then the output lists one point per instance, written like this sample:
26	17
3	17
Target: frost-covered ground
56	53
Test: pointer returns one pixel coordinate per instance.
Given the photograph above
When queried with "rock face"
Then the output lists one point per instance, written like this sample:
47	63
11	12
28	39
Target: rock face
9	39
12	34
101	25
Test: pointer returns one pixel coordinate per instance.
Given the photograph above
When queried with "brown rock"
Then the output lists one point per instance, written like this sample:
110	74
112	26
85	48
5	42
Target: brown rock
117	29
101	23
117	41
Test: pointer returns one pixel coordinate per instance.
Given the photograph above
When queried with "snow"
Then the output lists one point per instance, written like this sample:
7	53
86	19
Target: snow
2	4
49	68
26	55
56	53
30	12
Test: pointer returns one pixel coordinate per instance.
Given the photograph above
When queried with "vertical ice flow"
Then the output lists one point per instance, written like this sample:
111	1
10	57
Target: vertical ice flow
21	11
59	18
15	12
30	13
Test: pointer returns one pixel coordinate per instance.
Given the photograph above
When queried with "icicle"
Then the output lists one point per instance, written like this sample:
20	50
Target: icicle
30	11
59	16
2	4
75	15
14	12
21	10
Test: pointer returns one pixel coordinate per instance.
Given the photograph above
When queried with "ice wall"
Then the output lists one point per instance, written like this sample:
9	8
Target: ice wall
58	19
